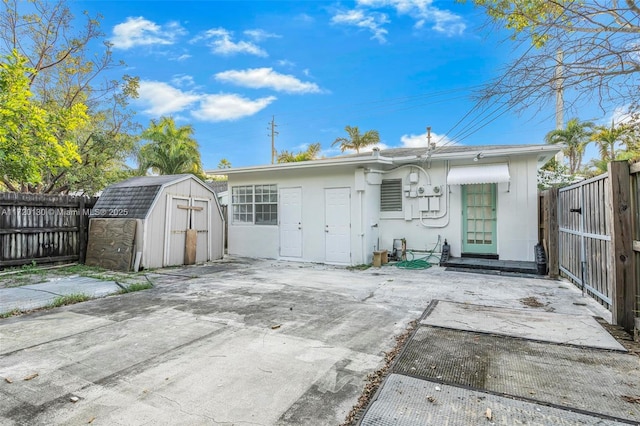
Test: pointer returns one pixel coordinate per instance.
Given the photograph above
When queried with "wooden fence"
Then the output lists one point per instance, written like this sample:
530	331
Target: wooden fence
590	231
43	228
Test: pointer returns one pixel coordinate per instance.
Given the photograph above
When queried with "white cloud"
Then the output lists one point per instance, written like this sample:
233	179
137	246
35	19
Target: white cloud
221	42
418	141
227	107
160	98
286	63
620	115
423	11
259	35
142	32
182	80
182	57
260	78
371	21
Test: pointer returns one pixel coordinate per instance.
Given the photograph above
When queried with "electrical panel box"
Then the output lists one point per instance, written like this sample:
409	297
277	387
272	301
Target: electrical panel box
413	194
408	212
423	204
434	204
413	177
407	188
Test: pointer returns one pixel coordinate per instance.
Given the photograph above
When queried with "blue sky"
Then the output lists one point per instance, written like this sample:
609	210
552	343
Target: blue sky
396	66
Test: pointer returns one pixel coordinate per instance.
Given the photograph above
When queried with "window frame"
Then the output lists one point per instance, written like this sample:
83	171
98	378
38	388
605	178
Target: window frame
251	204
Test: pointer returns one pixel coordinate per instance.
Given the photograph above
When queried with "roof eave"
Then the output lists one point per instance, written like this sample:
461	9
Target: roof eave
304	165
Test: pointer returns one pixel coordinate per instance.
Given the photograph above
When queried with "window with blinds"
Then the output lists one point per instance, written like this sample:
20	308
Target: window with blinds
391	195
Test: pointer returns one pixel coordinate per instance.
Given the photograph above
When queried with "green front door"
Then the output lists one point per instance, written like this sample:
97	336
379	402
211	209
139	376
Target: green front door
479	219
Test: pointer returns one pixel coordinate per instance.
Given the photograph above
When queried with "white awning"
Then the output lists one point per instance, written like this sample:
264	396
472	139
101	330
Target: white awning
486	173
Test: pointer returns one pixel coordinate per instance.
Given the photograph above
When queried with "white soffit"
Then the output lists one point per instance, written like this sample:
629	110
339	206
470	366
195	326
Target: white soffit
486	173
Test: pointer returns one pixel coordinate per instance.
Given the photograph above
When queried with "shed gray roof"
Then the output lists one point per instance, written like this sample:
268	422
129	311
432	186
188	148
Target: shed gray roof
132	198
218	186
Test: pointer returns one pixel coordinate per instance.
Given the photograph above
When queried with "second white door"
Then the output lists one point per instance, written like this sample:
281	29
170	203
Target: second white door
291	222
337	225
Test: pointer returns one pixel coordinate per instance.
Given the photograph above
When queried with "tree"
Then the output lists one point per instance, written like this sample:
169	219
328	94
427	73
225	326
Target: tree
356	141
224	164
170	150
598	41
575	137
311	153
65	73
606	139
32	139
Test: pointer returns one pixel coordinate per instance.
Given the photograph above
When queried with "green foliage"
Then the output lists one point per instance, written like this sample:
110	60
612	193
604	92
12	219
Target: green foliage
33	140
9	314
136	287
525	16
170	150
68	299
87	116
224	164
357	141
575	136
311	153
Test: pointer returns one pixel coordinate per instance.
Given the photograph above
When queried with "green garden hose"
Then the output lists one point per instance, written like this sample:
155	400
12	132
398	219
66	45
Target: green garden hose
419	263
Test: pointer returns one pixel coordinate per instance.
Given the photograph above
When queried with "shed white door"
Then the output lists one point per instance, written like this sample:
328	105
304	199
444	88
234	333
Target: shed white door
200	220
178	225
185	213
337	207
291	222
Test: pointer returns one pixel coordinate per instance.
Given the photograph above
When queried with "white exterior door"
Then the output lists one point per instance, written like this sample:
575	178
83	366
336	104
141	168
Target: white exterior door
291	222
178	224
337	207
185	213
200	220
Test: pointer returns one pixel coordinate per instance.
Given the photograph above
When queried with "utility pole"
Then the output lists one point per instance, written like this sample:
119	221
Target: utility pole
559	91
559	99
274	133
429	138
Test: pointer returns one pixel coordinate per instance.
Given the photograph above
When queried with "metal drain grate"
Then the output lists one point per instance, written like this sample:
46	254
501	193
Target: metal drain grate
406	401
584	379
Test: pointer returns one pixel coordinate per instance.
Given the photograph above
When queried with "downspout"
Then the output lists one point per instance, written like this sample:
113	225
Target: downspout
364	260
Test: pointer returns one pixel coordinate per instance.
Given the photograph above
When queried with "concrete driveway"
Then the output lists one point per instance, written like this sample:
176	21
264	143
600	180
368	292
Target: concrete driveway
239	342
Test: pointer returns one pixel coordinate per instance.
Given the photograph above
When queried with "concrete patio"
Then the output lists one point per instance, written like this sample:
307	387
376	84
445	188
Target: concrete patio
235	342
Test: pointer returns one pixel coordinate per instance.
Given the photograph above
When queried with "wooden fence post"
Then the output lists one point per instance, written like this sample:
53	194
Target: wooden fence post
552	232
82	232
623	295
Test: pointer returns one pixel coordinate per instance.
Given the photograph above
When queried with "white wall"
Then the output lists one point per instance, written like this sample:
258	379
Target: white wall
372	229
263	241
420	235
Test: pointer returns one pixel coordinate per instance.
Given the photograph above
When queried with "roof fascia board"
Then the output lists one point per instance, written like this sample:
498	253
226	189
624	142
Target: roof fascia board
305	165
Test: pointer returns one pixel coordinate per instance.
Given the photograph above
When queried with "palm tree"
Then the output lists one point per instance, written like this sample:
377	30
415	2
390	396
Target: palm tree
575	136
606	139
170	150
291	157
356	140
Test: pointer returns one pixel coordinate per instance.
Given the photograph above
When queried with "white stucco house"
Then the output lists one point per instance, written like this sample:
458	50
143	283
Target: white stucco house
481	199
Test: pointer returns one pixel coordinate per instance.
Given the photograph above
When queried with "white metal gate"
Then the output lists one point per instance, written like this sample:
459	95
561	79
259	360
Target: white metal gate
585	237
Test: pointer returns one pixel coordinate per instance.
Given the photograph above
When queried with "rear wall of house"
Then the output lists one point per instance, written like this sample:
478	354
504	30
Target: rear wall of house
516	211
263	241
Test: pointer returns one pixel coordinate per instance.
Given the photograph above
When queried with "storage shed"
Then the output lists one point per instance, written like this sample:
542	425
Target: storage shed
177	221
